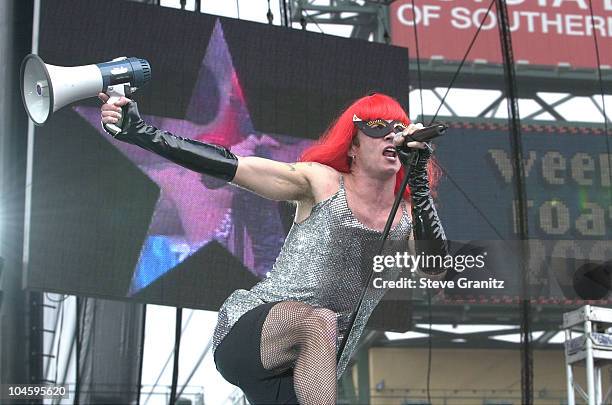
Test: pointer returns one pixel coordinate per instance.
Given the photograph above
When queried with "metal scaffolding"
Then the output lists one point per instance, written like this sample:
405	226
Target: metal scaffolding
369	19
592	349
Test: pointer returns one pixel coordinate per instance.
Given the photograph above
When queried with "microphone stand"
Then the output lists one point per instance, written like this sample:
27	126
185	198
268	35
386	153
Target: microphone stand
383	239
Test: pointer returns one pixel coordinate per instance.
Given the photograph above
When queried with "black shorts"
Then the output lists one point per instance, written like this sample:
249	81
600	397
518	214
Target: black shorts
238	359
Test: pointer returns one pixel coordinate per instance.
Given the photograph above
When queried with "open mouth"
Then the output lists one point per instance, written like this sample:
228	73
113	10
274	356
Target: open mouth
390	153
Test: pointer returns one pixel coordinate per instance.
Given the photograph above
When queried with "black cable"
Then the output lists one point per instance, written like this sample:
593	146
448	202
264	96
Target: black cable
269	14
386	34
196	366
381	246
141	359
177	346
418	56
405	182
525	313
452	82
601	87
77	331
456	74
170	356
282	7
429	349
59	341
442	169
514	122
314	21
469	200
82	313
238	8
418	59
526	352
68	361
286	13
402	187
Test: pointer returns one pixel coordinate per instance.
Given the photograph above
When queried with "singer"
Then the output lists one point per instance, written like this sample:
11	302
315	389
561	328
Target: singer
278	342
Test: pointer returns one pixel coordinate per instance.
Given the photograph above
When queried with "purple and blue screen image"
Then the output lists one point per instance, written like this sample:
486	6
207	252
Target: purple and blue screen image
193	209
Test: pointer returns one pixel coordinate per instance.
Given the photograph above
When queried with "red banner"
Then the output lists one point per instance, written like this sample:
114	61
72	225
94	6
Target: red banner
544	32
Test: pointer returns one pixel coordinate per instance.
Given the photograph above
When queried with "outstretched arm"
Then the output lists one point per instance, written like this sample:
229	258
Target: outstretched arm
274	180
268	178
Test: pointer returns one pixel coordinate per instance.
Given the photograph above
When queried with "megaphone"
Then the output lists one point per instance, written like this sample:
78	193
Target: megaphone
47	88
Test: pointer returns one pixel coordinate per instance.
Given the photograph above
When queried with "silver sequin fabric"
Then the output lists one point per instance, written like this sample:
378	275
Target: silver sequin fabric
325	262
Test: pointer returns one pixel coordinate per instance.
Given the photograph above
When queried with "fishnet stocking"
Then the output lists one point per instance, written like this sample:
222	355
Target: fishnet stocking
298	335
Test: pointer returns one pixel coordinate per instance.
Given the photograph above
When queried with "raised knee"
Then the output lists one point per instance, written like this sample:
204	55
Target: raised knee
320	323
325	317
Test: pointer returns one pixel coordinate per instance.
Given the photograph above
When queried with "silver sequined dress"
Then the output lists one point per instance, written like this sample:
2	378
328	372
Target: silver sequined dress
324	262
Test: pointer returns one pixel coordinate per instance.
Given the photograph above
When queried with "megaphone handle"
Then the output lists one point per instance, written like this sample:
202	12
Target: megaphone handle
115	93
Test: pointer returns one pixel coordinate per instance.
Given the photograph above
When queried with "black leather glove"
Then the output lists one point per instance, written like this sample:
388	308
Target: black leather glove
428	231
213	160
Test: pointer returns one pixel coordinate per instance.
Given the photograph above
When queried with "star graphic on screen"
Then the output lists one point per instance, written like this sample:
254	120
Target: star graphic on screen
193	209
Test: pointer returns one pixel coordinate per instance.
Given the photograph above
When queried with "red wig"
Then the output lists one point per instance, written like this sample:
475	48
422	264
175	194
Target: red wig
332	148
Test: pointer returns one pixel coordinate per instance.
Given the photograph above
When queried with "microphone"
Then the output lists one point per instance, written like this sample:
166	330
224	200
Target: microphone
424	134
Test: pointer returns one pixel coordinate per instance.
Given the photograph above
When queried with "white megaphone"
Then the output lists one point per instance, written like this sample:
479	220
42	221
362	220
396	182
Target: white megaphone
47	88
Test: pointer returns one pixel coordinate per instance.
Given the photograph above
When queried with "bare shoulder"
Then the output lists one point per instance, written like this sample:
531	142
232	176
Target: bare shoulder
316	167
323	179
318	173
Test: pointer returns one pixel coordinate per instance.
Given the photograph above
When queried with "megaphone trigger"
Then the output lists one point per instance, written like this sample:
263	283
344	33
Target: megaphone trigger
115	93
113	129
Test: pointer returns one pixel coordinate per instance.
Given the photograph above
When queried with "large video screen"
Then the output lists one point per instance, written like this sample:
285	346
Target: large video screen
112	220
569	207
